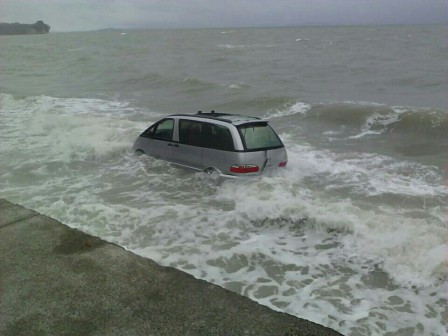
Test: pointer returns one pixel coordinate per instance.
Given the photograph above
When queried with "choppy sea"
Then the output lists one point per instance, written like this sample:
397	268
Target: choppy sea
352	234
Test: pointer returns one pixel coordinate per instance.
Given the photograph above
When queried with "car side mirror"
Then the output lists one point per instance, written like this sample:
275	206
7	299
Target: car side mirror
149	133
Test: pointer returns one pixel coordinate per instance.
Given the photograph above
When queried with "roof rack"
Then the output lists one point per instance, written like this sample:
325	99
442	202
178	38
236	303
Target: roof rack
234	119
226	117
212	113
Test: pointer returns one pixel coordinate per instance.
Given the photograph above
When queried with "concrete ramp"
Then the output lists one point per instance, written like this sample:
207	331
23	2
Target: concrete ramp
55	280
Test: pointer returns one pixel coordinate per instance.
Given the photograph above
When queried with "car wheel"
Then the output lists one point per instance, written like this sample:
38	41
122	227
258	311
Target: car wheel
212	176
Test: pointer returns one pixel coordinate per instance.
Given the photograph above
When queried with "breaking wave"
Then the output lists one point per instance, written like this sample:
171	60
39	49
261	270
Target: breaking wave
311	240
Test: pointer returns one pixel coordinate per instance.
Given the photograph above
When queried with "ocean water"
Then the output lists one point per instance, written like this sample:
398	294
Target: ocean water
352	234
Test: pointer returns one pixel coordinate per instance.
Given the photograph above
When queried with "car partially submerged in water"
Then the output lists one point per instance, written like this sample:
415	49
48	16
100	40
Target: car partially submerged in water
227	145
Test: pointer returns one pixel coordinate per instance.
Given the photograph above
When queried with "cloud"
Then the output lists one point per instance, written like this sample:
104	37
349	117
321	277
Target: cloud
65	15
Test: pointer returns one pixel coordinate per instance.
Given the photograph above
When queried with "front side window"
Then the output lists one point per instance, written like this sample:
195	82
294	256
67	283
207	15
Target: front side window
259	136
164	130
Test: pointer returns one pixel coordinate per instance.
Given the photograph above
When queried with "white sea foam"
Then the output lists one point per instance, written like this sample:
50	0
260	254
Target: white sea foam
67	128
231	46
297	108
381	121
364	133
238	86
315	239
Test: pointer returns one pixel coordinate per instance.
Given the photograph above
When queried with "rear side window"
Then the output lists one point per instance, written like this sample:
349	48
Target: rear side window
190	132
217	137
259	136
164	130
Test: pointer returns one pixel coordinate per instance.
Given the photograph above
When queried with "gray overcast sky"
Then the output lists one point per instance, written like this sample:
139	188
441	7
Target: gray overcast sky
73	15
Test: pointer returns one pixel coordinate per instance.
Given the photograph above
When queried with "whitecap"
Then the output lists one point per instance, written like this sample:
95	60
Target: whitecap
297	108
231	46
238	86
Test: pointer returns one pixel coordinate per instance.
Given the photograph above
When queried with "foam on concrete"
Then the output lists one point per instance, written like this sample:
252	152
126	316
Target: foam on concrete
55	280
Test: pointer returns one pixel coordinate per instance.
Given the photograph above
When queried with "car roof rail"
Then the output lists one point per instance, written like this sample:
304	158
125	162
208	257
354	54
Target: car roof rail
227	117
213	114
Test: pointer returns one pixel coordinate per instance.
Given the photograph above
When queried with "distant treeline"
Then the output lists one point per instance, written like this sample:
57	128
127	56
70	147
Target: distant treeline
22	29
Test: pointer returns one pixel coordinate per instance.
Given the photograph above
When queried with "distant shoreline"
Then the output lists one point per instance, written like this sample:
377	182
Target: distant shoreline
135	29
24	29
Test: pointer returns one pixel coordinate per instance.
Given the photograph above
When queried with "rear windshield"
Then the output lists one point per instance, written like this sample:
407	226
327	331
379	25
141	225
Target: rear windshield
259	136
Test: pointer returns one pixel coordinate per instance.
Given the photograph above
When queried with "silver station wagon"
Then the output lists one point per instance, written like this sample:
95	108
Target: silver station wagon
226	145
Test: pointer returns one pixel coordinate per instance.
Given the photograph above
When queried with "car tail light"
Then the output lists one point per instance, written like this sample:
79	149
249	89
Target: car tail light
283	164
244	169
